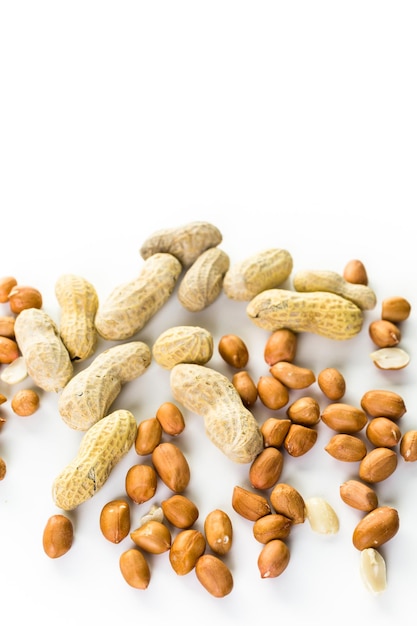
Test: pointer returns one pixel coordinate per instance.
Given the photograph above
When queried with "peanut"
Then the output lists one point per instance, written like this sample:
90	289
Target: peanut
376	528
373	570
383	432
47	359
305	411
115	520
344	447
322	517
183	344
186	243
89	394
180	511
384	334
186	548
378	465
299	439
3	468
135	569
265	270
266	469
149	435
393	358
358	495
153	537
22	297
214	575
344	418
325	314
14	372
130	306
141	482
273	558
6	285
171	466
322	280
383	403
58	536
233	350
408	446
332	383
395	309
25	402
7	326
228	423
9	350
202	283
355	272
271	526
281	345
171	419
272	392
293	376
218	530
288	501
274	431
249	504
246	387
79	303
101	448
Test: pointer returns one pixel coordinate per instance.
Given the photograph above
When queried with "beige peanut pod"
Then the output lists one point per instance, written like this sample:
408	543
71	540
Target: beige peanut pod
323	280
228	423
89	394
47	360
265	270
203	282
185	242
183	344
131	305
79	303
325	314
101	448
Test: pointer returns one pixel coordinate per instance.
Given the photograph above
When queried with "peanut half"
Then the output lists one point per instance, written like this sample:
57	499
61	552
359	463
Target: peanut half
79	303
130	306
322	280
90	393
47	360
101	448
228	423
323	313
265	270
186	243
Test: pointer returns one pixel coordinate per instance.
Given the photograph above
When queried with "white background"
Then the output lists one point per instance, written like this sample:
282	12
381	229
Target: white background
286	124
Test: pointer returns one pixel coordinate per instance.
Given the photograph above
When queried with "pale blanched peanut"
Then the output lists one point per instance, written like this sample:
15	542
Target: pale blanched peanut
14	372
183	344
292	375
101	448
130	306
393	358
265	270
373	570
202	283
323	313
58	536
228	423
47	359
79	303
321	515
332	383
395	309
322	280
186	243
280	346
89	394
233	350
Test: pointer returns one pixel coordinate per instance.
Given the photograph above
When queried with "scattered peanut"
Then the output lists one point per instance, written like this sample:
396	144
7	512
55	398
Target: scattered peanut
358	495
273	558
186	548
148	436
183	344
287	500
171	466
265	270
78	300
7	326
171	419
3	468
47	359
325	314
293	376
15	372
141	482
395	309
390	358
214	575
130	306
300	439
355	272
25	402
383	403
233	350
58	536
89	394
272	526
280	346
22	297
376	528
383	432
186	243
246	387
321	516
347	448
266	469
9	350
153	537
228	423
332	383
274	431
373	570
322	280
384	334
180	511
305	411
218	530
101	448
408	446
115	520
378	465
344	418
202	283
249	504
135	569
272	392
6	285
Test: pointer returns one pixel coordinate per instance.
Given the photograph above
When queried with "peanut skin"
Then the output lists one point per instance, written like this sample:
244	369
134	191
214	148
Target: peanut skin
322	280
131	305
228	424
101	448
90	393
79	303
47	360
185	242
323	313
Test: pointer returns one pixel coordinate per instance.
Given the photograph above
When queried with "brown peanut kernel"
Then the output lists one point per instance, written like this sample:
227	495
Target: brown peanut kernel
273	558
287	500
58	536
214	575
171	466
22	297
272	393
274	431
25	402
141	482
358	495
3	468
408	446
249	504
171	419
384	334
153	537
186	548
280	346
293	376
6	285
332	383
148	436
272	526
304	411
395	309
246	388
115	520
376	528
219	531
266	469
383	432
383	403
355	272
378	465
180	511
300	439
134	568
233	350
344	418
